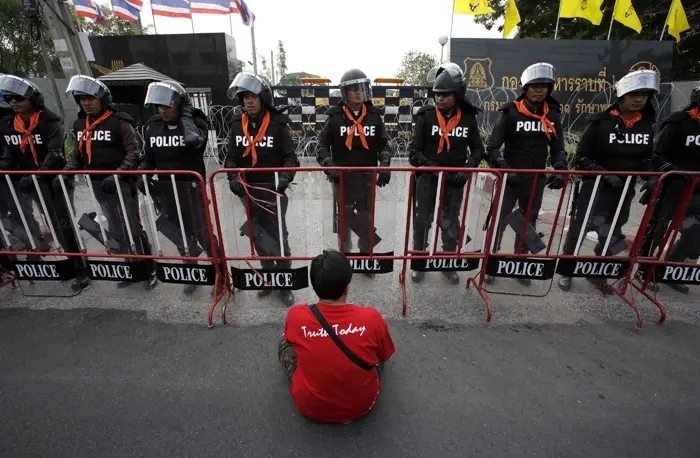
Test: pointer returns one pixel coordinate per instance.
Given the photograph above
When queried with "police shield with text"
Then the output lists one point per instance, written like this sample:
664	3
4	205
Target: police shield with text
617	139
676	148
444	135
176	139
260	138
354	135
530	128
106	140
31	138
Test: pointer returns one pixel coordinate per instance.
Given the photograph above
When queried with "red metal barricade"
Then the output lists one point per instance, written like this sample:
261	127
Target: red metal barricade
186	272
250	201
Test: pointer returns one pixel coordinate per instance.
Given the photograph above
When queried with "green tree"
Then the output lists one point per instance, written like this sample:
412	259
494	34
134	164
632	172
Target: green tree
20	53
111	26
281	61
294	79
415	66
539	18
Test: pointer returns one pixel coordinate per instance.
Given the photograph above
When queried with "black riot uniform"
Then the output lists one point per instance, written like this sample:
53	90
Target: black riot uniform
443	140
530	132
344	143
258	141
177	144
107	141
611	143
676	148
33	144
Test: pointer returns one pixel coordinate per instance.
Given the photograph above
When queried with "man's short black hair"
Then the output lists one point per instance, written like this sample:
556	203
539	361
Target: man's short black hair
330	274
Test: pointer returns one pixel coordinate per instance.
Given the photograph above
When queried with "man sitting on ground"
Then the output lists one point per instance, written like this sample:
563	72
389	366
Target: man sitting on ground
327	385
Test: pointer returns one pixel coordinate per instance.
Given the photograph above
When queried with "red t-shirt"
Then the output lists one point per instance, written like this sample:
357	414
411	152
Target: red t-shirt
326	385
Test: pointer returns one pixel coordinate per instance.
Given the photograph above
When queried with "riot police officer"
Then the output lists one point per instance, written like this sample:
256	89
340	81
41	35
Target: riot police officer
676	148
617	139
176	139
531	130
32	139
106	140
260	137
354	135
445	135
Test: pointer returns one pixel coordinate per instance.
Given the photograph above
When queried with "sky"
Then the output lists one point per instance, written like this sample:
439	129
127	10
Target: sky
317	40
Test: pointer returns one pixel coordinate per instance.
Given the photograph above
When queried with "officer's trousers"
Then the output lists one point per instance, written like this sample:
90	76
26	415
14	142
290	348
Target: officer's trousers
266	227
521	195
423	212
602	213
357	209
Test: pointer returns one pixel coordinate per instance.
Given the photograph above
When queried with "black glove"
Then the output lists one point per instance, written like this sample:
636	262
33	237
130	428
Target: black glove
383	178
333	176
647	190
236	186
26	185
191	134
68	180
557	181
457	179
282	185
513	180
417	160
613	181
109	185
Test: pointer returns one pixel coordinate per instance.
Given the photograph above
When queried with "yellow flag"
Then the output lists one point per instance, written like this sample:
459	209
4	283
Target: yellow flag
512	18
677	21
472	7
626	15
585	9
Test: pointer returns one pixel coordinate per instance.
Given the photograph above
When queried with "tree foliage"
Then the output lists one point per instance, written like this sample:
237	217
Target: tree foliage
294	79
111	26
20	53
415	66
281	61
539	18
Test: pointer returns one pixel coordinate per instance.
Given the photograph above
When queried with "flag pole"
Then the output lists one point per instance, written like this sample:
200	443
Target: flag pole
192	21
252	39
666	23
230	21
452	20
155	29
556	27
612	18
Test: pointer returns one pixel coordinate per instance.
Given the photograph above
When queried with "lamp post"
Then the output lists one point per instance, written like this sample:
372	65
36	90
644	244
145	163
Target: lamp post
443	41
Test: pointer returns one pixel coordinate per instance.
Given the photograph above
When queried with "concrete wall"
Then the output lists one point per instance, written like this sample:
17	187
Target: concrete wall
69	105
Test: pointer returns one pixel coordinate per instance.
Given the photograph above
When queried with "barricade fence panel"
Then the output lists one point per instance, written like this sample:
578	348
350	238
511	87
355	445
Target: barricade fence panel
117	228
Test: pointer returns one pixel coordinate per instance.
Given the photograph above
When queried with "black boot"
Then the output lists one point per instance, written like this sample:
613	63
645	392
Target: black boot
287	297
565	283
81	281
451	276
417	276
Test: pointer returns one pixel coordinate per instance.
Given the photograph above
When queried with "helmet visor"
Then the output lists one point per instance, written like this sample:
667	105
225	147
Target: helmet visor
162	94
86	85
639	81
451	68
540	73
359	86
244	82
14	85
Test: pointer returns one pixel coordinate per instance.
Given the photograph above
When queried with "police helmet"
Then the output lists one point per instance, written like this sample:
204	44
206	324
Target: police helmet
11	85
539	73
3	104
87	85
446	82
250	82
450	67
638	81
169	93
357	81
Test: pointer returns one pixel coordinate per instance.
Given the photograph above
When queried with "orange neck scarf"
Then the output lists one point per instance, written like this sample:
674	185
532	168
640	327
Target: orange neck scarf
252	141
27	136
695	114
356	125
547	125
86	136
447	128
629	123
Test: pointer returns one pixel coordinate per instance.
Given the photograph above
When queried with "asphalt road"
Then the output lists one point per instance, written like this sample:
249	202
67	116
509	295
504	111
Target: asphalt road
90	382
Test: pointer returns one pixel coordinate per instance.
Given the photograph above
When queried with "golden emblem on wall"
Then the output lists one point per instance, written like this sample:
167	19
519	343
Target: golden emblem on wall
645	65
479	74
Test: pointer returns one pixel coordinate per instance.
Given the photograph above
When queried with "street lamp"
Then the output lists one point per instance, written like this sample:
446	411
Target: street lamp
443	41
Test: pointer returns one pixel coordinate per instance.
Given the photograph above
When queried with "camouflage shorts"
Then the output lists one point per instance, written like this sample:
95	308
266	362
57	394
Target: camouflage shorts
287	357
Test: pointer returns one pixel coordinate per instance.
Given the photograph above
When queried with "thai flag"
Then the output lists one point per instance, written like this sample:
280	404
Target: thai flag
128	10
89	9
210	6
246	16
234	7
171	8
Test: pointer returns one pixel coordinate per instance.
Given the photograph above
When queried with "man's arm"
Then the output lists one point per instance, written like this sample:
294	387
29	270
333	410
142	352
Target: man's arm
663	144
557	151
147	160
476	146
130	145
415	147
384	154
496	140
55	158
290	159
323	151
584	150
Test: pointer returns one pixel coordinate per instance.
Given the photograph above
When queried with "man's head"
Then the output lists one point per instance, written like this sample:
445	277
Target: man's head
355	88
251	103
22	95
252	92
331	274
633	102
635	89
448	89
90	94
170	98
537	81
90	104
168	114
